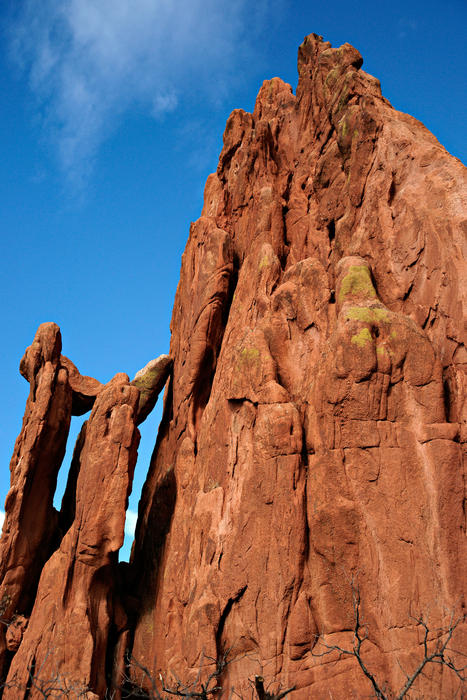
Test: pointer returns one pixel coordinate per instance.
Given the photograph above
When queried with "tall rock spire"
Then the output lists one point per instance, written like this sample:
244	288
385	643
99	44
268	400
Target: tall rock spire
311	432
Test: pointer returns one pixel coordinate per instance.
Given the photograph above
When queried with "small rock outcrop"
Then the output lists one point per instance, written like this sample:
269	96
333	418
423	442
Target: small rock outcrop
58	570
150	381
313	434
68	631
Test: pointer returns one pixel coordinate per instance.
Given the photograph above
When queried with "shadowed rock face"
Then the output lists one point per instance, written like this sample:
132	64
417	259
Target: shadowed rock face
313	424
313	427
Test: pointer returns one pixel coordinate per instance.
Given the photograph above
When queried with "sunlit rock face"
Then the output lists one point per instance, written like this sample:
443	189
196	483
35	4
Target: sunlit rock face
31	526
312	434
313	427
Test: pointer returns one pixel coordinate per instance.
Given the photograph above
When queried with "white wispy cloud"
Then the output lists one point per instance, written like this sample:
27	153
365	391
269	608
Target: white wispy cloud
130	522
163	104
2	518
88	61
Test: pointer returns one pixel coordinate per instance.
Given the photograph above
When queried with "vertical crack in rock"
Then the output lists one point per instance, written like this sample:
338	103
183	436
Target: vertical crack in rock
220	627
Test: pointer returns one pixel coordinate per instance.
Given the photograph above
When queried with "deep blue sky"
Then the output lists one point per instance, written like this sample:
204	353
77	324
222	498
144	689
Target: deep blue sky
112	117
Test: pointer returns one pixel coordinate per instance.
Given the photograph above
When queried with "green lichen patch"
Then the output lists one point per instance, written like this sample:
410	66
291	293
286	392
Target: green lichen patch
248	355
343	99
361	338
381	314
331	77
149	380
343	127
265	261
357	282
211	485
383	351
367	314
153	375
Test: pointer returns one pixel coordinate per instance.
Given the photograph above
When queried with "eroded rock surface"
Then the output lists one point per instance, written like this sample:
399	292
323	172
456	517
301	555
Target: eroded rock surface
59	598
313	428
150	381
30	530
67	634
85	389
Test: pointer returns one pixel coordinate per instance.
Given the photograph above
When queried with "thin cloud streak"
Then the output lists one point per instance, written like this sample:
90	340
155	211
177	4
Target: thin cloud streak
89	61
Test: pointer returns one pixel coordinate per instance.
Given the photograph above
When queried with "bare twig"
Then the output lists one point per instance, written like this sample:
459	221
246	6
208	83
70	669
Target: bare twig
202	690
441	654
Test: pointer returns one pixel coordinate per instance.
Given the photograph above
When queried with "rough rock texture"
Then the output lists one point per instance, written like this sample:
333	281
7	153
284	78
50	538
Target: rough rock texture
313	427
150	381
59	571
67	634
30	529
312	433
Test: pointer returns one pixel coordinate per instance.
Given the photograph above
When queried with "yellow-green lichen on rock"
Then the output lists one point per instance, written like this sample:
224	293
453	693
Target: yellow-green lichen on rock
266	261
357	282
361	338
343	99
150	381
332	77
367	314
249	355
343	126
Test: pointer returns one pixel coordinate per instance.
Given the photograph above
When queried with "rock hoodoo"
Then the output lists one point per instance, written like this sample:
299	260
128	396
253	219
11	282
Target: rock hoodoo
59	570
313	426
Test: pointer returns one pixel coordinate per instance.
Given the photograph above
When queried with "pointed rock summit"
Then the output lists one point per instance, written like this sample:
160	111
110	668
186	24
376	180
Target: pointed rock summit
313	432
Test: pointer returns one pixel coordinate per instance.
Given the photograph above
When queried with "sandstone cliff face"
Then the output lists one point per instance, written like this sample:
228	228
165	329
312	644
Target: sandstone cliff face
313	423
313	426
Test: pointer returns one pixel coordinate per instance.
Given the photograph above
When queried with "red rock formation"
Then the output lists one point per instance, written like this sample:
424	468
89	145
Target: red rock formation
67	635
312	428
58	571
30	529
85	389
312	431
